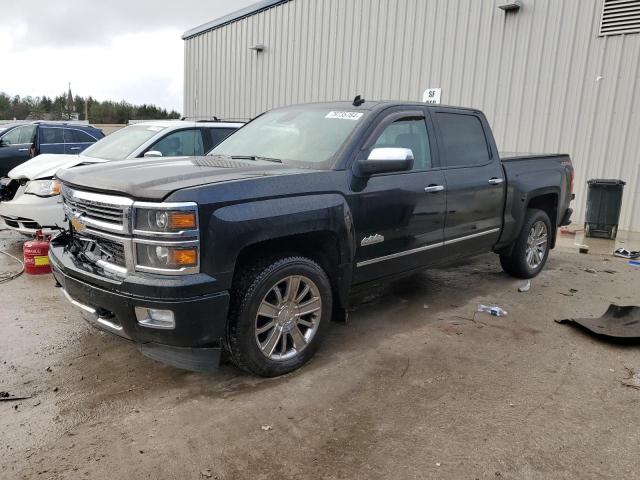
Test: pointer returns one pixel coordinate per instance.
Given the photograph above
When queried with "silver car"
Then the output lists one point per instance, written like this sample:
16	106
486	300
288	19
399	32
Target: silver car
30	196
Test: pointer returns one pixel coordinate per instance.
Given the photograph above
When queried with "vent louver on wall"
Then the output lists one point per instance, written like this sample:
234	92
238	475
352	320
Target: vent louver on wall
620	17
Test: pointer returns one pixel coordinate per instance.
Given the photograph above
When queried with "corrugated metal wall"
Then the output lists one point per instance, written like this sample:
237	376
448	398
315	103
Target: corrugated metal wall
543	76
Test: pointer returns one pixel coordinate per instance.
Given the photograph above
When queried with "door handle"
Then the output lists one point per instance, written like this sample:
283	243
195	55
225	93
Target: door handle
495	181
74	148
434	188
23	149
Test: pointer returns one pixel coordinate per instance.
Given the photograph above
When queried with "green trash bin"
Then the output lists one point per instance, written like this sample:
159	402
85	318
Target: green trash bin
604	201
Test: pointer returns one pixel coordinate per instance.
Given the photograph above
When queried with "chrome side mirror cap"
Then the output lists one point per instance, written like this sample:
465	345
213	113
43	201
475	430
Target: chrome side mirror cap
152	154
386	160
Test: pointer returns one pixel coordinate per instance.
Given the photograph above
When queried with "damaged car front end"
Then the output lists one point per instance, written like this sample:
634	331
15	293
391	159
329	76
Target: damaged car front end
133	269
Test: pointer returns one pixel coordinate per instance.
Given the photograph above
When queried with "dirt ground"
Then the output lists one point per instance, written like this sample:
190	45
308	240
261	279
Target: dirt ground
413	386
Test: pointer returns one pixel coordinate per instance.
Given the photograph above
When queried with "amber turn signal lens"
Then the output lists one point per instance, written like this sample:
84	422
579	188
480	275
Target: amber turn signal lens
178	220
184	257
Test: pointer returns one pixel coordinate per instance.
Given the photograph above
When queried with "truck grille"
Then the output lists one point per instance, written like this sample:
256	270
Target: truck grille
99	248
114	251
97	211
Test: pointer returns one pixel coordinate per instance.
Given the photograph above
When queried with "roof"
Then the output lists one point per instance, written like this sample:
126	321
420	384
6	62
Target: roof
177	124
232	17
376	104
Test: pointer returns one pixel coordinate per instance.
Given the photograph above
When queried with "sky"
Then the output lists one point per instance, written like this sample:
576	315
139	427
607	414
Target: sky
111	50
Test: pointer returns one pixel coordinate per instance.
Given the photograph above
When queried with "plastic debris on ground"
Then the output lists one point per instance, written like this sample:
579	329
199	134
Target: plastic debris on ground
624	253
633	380
582	248
620	322
493	310
526	287
634	263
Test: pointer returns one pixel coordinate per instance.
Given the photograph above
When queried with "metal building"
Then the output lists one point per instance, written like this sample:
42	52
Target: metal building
551	75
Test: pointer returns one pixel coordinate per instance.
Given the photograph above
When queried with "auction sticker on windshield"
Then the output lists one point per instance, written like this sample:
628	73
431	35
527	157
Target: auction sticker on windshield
344	115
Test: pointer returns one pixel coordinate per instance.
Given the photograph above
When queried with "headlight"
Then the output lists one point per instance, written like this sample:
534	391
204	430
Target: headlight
166	238
43	188
167	257
165	221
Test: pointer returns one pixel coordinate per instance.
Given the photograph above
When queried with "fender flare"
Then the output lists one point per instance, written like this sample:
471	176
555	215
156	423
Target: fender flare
233	228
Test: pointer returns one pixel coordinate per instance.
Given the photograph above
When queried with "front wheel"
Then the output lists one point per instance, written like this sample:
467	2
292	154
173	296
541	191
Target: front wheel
279	313
531	249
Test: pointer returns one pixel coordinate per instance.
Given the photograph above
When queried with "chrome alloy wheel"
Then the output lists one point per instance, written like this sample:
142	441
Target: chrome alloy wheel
536	244
288	317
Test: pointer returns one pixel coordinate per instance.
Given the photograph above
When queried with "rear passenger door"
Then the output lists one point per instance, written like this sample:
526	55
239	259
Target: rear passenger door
75	141
475	182
187	142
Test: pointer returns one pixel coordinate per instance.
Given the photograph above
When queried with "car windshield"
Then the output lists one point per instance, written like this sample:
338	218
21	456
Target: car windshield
119	145
305	136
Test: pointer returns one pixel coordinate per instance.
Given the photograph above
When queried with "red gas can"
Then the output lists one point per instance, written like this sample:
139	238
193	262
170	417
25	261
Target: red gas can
36	255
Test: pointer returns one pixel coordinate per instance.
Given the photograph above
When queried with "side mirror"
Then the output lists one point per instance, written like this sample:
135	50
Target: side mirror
386	160
152	154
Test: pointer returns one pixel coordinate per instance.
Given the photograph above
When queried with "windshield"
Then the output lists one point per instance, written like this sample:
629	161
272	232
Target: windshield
119	145
306	136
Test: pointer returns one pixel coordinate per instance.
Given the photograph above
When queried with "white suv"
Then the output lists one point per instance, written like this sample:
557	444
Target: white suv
30	196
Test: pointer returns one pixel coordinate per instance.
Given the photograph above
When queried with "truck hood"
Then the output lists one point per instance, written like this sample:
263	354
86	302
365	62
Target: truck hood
154	179
47	164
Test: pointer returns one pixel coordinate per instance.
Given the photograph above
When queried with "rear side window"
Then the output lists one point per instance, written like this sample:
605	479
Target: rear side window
180	143
463	139
77	136
216	135
51	135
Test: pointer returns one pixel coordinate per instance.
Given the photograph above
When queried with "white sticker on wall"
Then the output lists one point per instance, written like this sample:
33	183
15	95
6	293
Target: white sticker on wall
432	95
344	115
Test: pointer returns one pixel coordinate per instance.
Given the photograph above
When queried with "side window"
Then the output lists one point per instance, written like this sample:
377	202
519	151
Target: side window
12	137
463	139
77	136
20	135
27	134
183	142
408	133
51	135
217	135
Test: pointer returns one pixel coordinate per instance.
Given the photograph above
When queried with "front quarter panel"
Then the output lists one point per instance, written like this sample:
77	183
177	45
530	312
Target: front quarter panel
234	227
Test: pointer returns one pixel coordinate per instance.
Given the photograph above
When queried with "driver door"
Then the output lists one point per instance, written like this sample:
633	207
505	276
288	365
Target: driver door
399	217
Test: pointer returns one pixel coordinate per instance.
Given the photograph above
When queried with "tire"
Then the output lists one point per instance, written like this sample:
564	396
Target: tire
527	260
262	308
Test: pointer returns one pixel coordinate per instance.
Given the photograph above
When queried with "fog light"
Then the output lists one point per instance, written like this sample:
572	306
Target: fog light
155	318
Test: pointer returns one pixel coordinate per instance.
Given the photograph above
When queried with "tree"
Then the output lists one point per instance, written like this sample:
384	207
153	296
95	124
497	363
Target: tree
58	109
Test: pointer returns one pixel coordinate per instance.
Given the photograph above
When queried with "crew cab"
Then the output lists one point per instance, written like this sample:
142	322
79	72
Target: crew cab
20	142
254	248
30	196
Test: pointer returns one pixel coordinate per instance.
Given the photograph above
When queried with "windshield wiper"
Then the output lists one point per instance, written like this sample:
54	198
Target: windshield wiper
256	157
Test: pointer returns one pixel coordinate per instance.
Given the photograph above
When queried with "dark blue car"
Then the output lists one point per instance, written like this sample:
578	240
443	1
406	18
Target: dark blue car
20	142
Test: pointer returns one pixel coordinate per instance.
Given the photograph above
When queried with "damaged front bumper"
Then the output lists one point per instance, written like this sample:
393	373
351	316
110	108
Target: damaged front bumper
194	342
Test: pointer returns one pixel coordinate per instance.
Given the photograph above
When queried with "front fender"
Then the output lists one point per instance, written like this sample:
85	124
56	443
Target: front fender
235	227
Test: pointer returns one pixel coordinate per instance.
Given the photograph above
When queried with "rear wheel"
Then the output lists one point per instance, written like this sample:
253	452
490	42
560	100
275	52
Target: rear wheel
531	248
280	311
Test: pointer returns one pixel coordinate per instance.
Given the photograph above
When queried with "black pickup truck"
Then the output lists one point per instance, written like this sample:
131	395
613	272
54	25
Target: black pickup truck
255	247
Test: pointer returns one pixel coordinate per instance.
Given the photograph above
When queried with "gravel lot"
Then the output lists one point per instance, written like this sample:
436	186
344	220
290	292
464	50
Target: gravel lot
414	386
